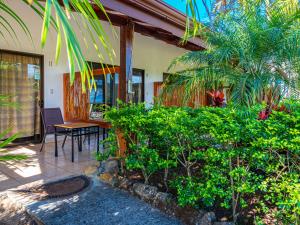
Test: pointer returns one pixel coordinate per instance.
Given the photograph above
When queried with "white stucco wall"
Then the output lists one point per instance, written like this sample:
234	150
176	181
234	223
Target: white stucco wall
149	54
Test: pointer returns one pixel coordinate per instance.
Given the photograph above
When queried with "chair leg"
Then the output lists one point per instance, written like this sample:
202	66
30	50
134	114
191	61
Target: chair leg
78	145
63	144
84	136
43	142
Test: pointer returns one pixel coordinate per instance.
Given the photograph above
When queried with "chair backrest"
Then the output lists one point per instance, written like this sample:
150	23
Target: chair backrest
51	116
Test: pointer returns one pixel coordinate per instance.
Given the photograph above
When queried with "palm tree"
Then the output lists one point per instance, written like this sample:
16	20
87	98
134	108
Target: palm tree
57	14
210	9
253	50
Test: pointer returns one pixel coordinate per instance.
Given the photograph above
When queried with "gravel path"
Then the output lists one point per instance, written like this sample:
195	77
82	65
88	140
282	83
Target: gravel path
100	205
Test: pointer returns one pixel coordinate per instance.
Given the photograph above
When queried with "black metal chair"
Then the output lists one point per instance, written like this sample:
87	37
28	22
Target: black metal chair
51	116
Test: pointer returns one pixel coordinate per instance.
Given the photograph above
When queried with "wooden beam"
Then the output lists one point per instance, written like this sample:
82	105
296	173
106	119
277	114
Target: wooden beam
126	45
149	17
95	72
109	70
155	13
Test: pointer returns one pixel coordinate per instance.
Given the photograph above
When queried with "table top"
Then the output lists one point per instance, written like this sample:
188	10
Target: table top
76	125
101	123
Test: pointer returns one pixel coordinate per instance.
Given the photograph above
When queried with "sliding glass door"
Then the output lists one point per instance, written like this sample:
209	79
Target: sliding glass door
20	83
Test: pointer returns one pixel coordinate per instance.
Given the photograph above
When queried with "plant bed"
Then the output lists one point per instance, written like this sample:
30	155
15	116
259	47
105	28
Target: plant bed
164	201
109	171
225	160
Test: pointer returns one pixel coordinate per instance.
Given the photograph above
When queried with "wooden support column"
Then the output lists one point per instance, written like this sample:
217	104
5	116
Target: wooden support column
126	44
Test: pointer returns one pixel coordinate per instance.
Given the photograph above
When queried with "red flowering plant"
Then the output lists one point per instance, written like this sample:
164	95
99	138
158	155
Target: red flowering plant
218	97
264	114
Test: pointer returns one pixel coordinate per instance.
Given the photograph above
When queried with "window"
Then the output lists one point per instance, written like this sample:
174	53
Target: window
138	85
107	91
105	94
97	96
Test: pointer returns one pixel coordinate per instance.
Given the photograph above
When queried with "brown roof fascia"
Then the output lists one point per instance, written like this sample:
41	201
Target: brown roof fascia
153	18
155	13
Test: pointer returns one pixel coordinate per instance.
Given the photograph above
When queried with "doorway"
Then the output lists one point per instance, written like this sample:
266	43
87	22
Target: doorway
21	85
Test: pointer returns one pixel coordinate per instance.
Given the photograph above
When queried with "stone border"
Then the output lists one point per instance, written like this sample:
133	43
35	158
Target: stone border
108	173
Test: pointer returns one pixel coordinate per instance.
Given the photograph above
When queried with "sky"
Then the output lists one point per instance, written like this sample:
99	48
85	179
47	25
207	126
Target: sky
180	5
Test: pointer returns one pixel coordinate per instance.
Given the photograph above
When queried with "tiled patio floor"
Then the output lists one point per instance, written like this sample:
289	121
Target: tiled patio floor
43	166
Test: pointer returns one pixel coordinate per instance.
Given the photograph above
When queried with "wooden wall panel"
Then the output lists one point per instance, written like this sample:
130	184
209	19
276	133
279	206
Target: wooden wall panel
199	99
76	103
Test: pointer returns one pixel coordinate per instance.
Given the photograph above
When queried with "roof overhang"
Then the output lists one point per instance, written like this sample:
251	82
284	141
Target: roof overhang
151	18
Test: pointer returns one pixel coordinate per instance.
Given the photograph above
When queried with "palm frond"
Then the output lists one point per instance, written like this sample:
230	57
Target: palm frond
61	23
8	140
5	101
6	11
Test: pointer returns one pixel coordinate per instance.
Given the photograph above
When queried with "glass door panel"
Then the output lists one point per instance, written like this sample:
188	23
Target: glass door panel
138	85
20	76
112	89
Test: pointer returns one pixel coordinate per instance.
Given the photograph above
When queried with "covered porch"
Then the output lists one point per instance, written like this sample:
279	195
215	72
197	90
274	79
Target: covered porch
31	167
149	35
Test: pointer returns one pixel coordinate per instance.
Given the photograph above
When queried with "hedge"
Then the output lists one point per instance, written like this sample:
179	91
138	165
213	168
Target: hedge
217	157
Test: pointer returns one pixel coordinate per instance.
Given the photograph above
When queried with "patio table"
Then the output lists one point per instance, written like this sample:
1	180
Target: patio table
76	130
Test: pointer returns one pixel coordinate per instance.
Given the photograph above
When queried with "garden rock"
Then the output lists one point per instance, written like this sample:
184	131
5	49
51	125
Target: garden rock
144	191
110	179
207	219
90	170
165	202
223	223
126	184
111	166
101	168
163	197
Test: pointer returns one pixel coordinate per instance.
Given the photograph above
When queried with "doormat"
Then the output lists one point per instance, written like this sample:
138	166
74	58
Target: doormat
58	189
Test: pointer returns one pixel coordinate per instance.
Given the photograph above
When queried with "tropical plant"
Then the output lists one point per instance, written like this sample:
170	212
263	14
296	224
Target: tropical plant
217	157
147	150
57	14
253	50
211	8
218	97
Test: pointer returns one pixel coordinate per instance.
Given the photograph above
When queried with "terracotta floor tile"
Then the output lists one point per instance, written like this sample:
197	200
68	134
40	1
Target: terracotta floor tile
7	182
43	166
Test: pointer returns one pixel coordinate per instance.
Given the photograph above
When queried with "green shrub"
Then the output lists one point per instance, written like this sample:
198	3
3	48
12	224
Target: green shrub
217	157
146	136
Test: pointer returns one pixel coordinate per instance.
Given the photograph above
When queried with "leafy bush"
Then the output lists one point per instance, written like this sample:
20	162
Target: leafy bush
217	157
